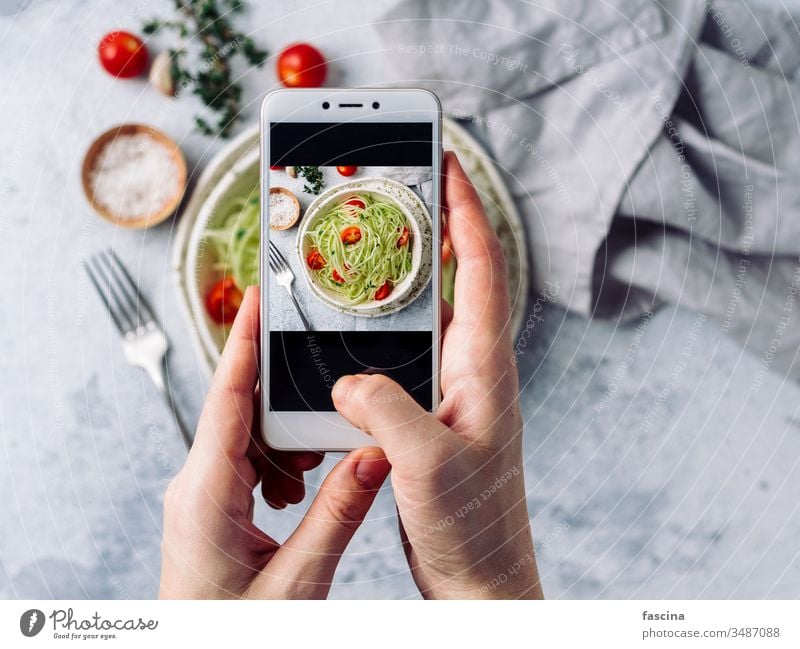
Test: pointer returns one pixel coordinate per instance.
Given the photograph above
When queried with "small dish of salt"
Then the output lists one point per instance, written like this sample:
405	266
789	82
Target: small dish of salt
284	208
134	176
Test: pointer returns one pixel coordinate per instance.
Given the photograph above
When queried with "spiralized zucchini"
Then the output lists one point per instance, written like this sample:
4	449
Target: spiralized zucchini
236	242
362	268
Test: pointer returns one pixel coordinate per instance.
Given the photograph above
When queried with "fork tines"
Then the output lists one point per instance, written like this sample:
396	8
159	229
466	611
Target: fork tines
277	262
128	309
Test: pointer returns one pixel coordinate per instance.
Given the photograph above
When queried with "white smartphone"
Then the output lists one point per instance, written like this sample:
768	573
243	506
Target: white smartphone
350	263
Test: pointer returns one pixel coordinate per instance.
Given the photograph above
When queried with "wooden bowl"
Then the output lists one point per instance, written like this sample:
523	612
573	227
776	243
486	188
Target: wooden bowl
283	190
146	220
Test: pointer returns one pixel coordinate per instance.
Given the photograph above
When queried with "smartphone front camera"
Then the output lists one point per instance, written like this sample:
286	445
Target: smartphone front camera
325	105
376	105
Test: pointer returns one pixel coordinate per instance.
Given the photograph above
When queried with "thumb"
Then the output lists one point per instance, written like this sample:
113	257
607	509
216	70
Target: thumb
377	405
310	555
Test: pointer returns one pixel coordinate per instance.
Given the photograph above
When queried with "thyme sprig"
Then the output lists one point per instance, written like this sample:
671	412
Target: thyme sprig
207	22
315	182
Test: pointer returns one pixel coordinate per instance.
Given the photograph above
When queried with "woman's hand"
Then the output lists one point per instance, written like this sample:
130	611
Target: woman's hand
458	474
210	547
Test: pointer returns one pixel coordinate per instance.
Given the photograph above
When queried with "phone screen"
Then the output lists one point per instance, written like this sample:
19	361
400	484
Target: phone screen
361	254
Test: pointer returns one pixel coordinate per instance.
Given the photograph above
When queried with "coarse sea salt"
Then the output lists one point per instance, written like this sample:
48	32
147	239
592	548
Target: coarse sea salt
282	210
134	176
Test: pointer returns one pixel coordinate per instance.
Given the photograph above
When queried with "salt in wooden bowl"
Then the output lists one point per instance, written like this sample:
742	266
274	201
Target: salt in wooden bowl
167	208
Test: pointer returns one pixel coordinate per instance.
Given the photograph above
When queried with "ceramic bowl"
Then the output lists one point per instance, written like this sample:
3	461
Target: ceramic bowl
240	181
325	204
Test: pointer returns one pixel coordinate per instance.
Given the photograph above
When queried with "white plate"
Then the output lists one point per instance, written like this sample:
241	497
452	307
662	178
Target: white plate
237	162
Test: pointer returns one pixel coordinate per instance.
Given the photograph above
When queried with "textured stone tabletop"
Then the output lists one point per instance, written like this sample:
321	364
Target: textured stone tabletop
650	472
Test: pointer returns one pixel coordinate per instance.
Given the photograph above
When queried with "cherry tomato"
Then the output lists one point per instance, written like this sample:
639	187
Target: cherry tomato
337	277
447	249
275	167
122	54
383	292
223	301
315	260
447	246
346	171
403	240
302	66
357	203
351	235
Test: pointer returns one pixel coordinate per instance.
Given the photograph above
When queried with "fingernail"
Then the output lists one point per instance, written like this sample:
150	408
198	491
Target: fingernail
343	386
371	469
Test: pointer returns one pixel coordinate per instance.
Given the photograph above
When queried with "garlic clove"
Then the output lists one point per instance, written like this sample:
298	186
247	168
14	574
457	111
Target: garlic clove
291	171
161	74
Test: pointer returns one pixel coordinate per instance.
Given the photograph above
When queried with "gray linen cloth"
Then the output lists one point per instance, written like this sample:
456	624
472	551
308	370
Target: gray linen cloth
651	146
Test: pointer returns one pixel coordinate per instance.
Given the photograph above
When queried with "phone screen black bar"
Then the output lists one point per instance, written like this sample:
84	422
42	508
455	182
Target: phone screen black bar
304	365
391	144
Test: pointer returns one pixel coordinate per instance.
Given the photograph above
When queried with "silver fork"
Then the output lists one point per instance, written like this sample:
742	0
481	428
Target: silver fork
284	277
143	341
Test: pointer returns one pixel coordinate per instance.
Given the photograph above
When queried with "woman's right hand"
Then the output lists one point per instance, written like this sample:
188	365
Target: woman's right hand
458	474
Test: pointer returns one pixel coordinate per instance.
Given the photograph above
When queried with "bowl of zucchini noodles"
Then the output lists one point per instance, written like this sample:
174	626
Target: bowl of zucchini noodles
359	249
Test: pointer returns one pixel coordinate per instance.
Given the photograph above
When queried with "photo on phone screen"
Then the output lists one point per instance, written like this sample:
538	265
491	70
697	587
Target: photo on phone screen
362	257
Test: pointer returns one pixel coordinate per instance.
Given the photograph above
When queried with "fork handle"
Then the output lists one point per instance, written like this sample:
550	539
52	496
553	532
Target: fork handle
299	310
182	428
158	376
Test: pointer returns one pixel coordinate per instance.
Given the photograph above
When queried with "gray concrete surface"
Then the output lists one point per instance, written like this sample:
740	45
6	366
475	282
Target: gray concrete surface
651	471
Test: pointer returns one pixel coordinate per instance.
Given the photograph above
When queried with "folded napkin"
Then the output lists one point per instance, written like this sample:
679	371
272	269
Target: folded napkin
650	146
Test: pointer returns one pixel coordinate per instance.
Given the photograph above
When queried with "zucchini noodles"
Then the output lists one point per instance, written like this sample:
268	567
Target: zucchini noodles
365	249
236	242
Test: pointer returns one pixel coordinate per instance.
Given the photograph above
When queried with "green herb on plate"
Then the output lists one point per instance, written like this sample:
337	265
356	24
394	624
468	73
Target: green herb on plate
207	22
315	183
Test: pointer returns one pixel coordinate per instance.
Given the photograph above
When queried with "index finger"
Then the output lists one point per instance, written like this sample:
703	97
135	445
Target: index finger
223	432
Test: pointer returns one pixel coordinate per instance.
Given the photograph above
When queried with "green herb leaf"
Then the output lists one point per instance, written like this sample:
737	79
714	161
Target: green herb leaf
206	25
315	183
152	26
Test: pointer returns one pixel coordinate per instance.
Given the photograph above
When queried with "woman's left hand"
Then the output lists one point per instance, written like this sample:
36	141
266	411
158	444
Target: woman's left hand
211	549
